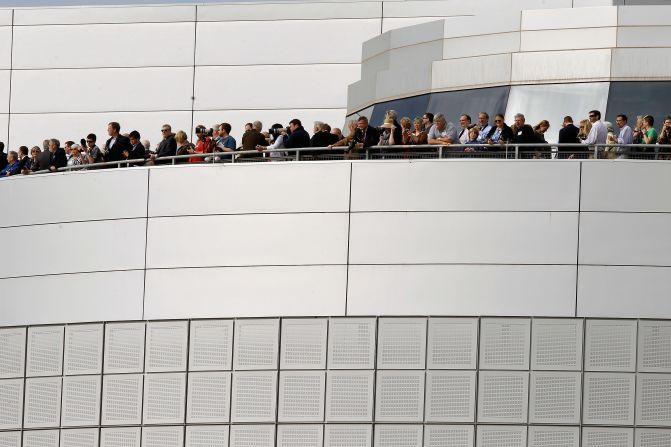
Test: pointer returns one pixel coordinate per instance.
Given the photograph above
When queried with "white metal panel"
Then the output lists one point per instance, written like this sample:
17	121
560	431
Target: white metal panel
45	351
300	436
6	17
463	238
122	399
164	398
207	436
99	248
610	345
303	343
120	437
301	396
503	396
348	435
471	72
452	343
11	404
40	438
279	11
124	347
401	343
256	344
42	405
556	344
83	349
630	63
349	396
393	23
5	47
653	437
505	343
270	86
167	347
254	397
252	435
351	343
12	352
450	396
499	436
569	18
414	55
554	397
302	240
643	36
507	20
560	66
86	437
406	81
81	401
608	398
460	290
98	189
305	187
568	39
402	186
10	438
643	15
602	241
208	397
540	436
654	346
129	14
612	437
399	396
145	89
211	345
255	38
4	94
162	436
387	435
308	290
79	46
481	45
653	399
452	435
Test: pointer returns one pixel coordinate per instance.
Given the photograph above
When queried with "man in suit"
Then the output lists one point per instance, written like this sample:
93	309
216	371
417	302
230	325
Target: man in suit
568	134
116	144
137	149
364	135
3	156
23	157
57	158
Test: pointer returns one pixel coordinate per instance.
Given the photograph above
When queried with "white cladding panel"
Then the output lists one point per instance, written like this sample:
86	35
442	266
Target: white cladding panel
5	47
549	40
481	45
569	18
83	349
12	352
280	11
79	46
77	15
561	66
470	72
634	63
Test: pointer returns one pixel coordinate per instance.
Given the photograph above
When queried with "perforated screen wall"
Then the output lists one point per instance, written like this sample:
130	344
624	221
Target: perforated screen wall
338	382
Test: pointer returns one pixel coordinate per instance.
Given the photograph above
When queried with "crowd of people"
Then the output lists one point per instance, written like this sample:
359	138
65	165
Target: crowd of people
217	145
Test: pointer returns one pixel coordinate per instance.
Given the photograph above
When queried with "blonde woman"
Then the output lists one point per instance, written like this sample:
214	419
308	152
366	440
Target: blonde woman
184	147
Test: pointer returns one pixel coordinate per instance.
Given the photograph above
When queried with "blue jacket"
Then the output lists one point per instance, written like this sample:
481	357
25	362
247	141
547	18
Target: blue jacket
11	169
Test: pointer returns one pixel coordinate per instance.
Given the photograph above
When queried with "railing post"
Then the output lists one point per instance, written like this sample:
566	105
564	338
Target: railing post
440	151
298	154
232	157
517	152
173	161
656	152
596	151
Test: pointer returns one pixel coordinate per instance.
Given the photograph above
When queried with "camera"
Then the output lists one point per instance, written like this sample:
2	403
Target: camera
202	132
276	131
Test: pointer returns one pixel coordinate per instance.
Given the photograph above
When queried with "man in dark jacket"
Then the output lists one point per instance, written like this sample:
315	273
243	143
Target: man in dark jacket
364	136
298	137
3	156
137	149
568	134
117	144
58	159
167	147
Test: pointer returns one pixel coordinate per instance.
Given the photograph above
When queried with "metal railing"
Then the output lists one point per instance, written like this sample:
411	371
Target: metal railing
399	152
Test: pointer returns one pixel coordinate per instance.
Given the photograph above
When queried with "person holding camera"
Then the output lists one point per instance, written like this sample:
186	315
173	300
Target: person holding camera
297	137
204	145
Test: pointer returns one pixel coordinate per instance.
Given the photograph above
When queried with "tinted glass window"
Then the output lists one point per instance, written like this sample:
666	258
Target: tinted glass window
452	104
639	98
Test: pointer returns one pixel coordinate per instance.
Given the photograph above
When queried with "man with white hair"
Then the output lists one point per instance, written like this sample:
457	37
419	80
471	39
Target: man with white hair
442	132
253	137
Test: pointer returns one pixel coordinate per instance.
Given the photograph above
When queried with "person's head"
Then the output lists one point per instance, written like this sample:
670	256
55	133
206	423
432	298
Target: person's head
201	131
68	146
91	140
76	151
648	121
405	123
621	120
417	124
594	116
248	127
224	129
542	126
12	156
54	144
440	121
667	122
318	126
337	132
134	137
465	120
427	120
519	120
113	129
23	151
216	128
326	128
180	137
391	114
567	120
166	130
499	120
146	144
45	145
294	124
483	119
258	126
473	133
362	122
35	151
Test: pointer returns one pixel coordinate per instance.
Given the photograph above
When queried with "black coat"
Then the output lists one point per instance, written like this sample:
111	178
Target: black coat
115	153
369	137
136	153
58	159
3	160
297	139
568	134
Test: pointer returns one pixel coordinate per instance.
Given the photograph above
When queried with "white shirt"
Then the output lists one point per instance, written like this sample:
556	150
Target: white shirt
625	136
598	134
463	135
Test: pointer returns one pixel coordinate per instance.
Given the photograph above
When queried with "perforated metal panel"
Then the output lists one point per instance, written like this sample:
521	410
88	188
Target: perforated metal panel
45	351
303	344
122	399
11	403
607	437
252	436
449	435
87	437
351	343
300	436
164	396
83	349
503	396
398	435
348	436
209	397
504	343
163	437
256	344
654	346
124	348
301	396
401	343
450	396
81	401
649	437
10	439
254	396
42	403
349	396
610	345
40	438
120	437
399	396
609	399
556	344
211	345
540	436
12	353
653	399
166	346
498	436
207	436
452	343
555	397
